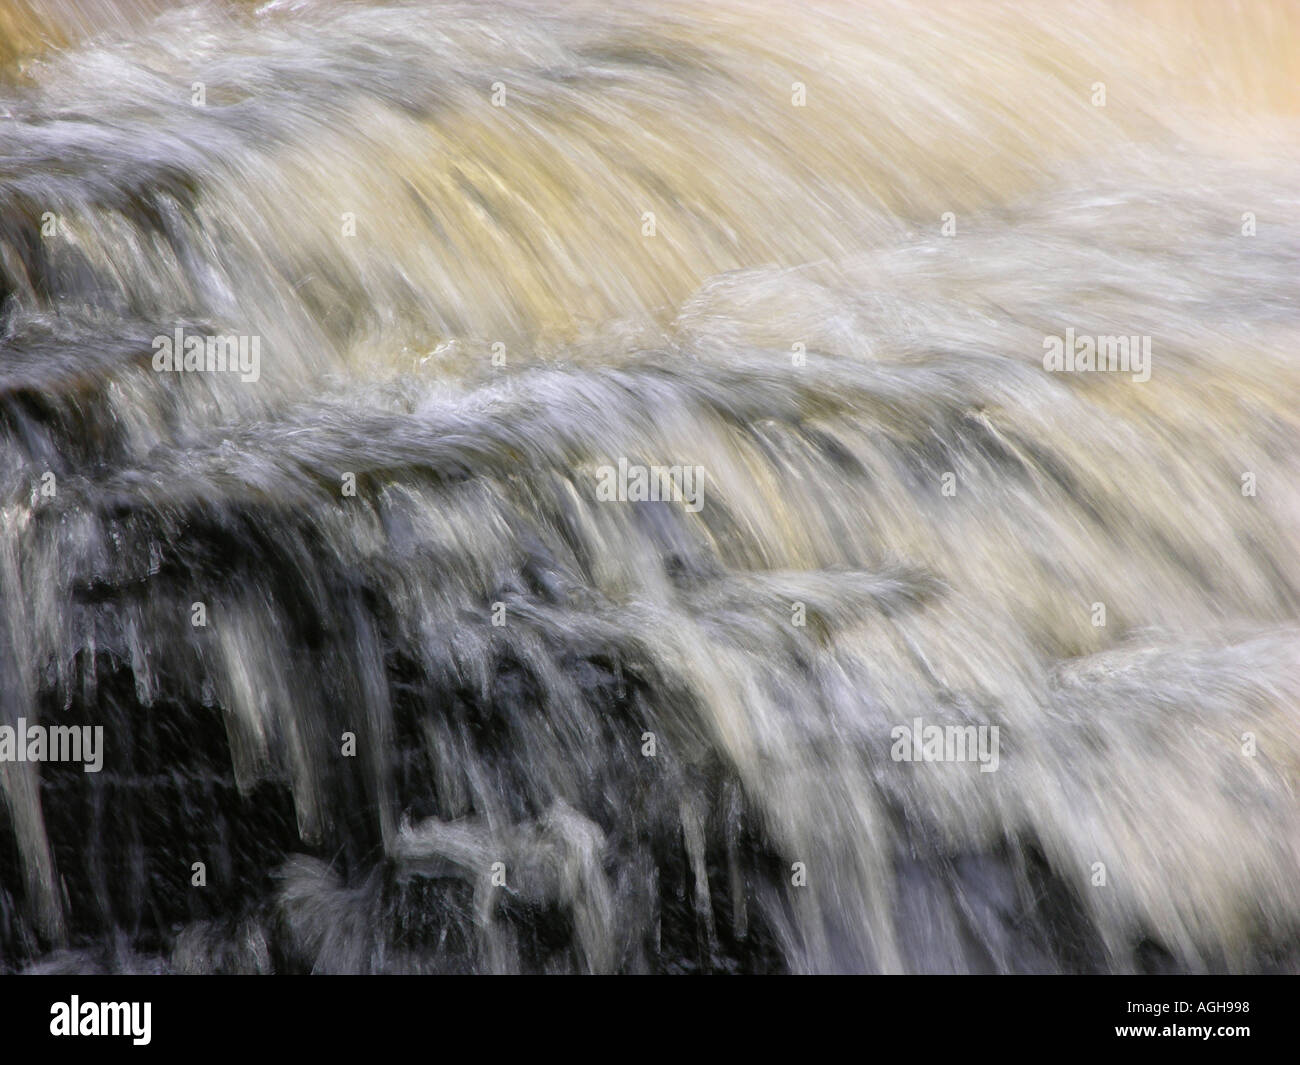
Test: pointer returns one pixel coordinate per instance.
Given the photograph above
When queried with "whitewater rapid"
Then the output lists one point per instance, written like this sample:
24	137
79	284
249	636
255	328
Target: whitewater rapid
392	638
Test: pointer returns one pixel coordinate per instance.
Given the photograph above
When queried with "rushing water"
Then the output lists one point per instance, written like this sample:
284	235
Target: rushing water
449	707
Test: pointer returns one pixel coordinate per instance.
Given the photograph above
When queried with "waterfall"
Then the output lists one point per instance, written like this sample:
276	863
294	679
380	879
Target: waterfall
649	487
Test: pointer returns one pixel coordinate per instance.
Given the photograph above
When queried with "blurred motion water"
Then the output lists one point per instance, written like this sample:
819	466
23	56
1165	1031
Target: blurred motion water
490	251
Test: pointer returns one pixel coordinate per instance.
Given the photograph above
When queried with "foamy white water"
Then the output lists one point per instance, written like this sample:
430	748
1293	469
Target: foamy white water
478	683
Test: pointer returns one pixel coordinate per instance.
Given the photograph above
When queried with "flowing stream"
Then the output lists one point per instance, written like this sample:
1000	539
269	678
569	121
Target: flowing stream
635	422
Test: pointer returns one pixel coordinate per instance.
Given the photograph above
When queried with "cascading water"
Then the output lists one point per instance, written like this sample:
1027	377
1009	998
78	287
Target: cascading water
395	669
